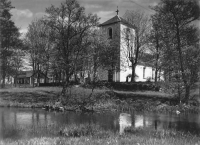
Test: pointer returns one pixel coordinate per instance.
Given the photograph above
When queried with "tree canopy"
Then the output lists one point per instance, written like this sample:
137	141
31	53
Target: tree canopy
178	38
9	40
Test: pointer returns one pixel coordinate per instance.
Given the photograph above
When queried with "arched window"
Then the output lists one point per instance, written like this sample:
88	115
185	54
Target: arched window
110	33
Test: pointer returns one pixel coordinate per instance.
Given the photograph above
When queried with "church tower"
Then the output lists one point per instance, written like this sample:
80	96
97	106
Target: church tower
122	34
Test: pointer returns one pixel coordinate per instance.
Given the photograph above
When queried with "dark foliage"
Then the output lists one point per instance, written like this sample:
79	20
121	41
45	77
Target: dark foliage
124	86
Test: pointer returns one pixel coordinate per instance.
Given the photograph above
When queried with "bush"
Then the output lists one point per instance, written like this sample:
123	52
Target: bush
125	86
50	84
143	86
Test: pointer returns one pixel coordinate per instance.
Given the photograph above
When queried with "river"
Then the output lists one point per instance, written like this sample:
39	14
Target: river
16	123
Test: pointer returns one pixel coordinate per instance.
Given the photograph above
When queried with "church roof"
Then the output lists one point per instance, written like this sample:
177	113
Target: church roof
117	19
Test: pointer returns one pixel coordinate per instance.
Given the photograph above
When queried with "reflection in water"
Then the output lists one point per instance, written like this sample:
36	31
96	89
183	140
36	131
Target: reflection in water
13	118
124	121
139	121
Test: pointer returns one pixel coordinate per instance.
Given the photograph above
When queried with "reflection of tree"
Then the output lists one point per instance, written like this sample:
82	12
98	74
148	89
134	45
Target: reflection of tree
156	124
45	118
15	118
144	121
2	121
37	117
133	120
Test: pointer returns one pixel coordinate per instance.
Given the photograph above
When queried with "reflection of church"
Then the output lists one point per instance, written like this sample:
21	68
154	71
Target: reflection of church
123	35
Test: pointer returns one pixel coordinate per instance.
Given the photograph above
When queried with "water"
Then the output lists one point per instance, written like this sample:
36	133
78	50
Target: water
17	123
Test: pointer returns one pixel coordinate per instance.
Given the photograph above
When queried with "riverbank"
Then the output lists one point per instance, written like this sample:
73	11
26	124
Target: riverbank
113	140
101	100
89	135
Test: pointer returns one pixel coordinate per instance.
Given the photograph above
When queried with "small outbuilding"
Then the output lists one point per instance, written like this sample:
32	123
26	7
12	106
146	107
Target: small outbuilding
28	78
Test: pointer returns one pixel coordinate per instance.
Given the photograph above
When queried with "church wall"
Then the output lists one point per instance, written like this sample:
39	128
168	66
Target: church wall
125	64
144	74
141	74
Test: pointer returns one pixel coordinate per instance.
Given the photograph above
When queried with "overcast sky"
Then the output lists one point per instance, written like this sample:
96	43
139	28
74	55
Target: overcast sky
27	10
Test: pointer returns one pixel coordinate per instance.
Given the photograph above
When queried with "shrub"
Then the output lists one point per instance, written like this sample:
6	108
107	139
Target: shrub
133	86
125	86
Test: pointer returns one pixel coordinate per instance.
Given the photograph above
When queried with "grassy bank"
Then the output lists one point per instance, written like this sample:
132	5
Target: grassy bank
101	99
94	135
115	140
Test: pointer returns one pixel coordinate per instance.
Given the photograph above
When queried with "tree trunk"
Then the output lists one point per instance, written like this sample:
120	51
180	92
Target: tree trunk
157	57
3	79
89	78
65	85
127	79
33	73
3	71
15	80
38	74
133	72
1	60
187	94
134	62
45	77
156	75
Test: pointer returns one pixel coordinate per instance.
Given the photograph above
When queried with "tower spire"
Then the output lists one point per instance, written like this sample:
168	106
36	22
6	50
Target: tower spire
117	10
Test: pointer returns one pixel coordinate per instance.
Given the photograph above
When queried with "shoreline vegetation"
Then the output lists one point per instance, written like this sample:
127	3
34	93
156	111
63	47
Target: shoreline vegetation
94	135
101	100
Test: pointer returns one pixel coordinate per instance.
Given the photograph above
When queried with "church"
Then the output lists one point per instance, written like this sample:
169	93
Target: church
123	34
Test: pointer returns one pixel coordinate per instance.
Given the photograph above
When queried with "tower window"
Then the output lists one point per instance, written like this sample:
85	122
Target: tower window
110	33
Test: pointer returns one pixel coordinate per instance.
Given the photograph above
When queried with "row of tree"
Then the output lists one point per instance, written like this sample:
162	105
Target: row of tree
176	41
173	41
66	41
11	52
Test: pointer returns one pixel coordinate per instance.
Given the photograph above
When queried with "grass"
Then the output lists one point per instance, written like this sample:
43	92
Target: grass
128	140
101	99
145	93
35	97
27	97
94	135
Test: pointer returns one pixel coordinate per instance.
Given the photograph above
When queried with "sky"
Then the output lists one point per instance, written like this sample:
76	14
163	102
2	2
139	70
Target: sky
26	11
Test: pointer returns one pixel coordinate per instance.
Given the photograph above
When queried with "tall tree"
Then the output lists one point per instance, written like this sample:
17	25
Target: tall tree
102	53
39	45
9	38
142	24
178	17
70	24
155	45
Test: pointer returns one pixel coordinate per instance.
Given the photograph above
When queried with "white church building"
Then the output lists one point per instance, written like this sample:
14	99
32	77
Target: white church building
118	29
